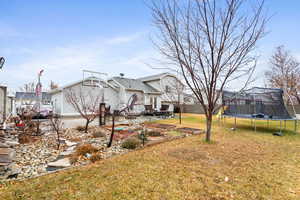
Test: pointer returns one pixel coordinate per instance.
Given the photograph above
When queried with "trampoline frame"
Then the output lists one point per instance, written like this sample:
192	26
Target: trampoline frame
253	121
252	99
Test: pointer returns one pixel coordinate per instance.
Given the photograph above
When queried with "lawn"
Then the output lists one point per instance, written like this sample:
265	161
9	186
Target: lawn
240	164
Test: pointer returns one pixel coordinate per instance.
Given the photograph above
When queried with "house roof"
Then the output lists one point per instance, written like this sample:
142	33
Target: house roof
32	95
75	83
135	84
154	77
158	77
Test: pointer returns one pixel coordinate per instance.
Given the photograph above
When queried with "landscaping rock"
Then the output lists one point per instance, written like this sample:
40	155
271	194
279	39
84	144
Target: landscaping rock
68	151
88	155
69	143
62	163
13	171
11	143
3	145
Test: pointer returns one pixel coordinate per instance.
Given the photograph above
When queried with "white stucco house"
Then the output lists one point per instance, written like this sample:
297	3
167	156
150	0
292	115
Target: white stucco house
117	92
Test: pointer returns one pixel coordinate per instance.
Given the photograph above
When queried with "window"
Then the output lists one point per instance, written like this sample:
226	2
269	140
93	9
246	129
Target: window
167	89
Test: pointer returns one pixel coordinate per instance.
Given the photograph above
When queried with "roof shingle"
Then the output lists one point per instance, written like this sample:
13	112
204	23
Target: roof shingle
135	84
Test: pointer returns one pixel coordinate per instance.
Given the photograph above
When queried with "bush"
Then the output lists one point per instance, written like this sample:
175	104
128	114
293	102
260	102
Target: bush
26	139
153	133
141	137
131	143
95	157
99	133
84	149
73	158
80	128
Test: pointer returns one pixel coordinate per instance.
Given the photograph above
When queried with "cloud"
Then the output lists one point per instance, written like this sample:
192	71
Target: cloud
125	39
64	64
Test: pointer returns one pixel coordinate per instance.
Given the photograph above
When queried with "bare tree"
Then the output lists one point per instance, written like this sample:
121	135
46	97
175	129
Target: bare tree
86	103
28	87
56	124
53	85
284	73
210	42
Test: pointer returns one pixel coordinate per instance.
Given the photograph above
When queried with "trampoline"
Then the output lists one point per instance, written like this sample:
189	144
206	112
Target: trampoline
256	104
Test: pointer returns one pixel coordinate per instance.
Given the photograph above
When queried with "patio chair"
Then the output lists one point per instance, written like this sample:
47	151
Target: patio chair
148	110
164	110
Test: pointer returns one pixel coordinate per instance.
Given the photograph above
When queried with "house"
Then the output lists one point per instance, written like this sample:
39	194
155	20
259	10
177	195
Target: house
156	90
109	95
117	92
189	99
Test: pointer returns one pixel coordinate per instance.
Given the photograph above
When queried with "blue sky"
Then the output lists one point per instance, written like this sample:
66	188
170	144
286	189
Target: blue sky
65	36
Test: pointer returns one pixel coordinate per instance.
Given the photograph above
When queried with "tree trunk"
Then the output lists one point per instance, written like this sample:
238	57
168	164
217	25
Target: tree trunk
298	99
38	127
208	127
58	139
112	131
86	126
179	114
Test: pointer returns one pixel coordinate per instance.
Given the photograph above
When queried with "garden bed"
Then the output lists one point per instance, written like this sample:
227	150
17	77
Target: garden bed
190	130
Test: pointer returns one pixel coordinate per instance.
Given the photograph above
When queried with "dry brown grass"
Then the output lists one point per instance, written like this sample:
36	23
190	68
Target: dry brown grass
236	165
96	157
84	149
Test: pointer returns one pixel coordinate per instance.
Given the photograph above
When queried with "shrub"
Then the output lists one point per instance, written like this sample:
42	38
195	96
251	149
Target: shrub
99	133
80	128
142	137
131	143
26	139
95	157
153	133
174	133
76	139
73	158
82	150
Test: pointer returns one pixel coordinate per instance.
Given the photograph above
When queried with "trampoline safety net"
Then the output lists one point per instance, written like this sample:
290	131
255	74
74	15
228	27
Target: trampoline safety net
255	103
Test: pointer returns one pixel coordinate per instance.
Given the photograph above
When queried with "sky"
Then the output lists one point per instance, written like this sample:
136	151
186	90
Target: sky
63	37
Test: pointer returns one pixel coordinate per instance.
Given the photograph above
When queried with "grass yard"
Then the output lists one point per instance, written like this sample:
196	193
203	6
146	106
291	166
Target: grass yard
240	164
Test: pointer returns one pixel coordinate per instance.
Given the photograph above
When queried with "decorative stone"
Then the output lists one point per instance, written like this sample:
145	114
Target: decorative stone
12	143
62	163
69	143
88	155
3	145
68	151
13	171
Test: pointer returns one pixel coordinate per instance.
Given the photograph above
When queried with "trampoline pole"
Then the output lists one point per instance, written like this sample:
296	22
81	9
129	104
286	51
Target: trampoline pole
284	124
280	126
235	123
254	125
295	128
